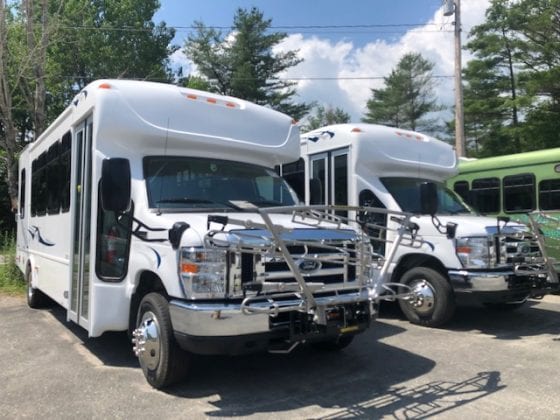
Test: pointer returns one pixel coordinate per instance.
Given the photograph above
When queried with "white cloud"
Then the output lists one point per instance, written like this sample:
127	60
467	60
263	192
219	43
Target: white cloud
353	66
348	67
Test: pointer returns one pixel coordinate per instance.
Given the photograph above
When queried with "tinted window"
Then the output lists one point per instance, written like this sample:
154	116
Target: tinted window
200	183
22	195
549	194
406	192
519	193
485	195
294	174
53	179
462	188
65	171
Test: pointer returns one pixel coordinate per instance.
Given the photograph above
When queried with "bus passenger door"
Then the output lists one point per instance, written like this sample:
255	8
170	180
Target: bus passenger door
331	171
78	310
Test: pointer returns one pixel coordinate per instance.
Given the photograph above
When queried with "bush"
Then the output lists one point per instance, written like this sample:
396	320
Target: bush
11	278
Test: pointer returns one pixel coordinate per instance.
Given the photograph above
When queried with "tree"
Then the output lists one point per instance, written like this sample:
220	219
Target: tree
107	39
537	22
512	92
22	79
325	116
492	87
242	63
49	49
407	97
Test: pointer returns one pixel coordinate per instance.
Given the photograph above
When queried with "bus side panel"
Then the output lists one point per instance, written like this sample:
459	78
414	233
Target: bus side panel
48	238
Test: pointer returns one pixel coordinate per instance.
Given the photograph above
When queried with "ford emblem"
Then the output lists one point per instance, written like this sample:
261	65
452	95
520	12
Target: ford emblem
308	266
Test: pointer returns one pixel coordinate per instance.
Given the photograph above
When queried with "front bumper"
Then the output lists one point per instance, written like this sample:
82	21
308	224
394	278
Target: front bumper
503	286
224	328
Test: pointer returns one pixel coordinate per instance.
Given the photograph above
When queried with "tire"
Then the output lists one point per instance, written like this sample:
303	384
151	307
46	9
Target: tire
437	303
35	298
161	359
339	343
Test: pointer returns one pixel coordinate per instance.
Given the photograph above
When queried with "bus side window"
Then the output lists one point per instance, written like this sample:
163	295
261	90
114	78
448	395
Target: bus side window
113	243
462	189
294	174
519	193
22	195
486	195
549	194
368	199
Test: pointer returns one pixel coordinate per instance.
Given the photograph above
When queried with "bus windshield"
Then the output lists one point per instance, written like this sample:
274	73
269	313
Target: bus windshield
406	192
199	183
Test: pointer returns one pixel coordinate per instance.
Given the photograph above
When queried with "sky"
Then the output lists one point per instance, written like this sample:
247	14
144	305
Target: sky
342	64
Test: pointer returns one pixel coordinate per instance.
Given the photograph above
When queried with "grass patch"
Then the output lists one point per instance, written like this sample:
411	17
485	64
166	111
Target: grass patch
11	278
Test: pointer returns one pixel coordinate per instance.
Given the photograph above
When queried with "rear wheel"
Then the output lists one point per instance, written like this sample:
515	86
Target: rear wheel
161	359
435	304
35	298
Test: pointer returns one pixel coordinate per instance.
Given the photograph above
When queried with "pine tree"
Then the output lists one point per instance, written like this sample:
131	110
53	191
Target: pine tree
242	62
408	96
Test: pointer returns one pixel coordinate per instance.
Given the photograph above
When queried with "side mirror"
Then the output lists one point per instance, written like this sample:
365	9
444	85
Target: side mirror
115	185
315	191
428	198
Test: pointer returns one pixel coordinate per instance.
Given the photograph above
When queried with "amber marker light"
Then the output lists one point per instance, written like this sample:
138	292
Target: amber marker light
104	86
188	268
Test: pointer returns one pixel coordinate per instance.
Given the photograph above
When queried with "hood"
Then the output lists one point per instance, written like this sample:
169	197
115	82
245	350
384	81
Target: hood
472	225
249	231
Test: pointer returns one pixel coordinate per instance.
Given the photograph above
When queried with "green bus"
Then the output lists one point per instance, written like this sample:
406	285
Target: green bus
514	186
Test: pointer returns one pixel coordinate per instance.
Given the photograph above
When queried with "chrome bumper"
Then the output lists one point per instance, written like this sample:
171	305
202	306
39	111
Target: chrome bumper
466	281
230	320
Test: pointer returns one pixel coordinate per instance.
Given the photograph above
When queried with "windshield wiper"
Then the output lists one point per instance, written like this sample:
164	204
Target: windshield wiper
187	200
267	202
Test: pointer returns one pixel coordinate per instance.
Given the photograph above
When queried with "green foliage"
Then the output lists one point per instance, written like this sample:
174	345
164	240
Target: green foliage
325	116
105	39
242	63
11	278
512	91
407	97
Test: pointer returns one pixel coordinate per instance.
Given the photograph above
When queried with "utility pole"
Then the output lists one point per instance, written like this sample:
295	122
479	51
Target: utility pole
454	7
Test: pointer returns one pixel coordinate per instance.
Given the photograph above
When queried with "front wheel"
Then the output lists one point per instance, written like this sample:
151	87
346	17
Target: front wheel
435	303
161	359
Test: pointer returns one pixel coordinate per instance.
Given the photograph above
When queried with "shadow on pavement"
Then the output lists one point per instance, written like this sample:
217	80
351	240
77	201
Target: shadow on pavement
531	319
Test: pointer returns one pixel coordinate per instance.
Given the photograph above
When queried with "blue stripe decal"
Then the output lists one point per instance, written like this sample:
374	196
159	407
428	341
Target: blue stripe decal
158	257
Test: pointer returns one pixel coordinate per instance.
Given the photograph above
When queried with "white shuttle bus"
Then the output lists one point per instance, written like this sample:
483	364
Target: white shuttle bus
146	208
463	256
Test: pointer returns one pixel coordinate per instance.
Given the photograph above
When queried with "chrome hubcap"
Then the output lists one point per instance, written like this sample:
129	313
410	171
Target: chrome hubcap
425	297
147	341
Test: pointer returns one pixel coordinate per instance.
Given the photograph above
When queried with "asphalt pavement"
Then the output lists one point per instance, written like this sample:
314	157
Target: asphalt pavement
483	365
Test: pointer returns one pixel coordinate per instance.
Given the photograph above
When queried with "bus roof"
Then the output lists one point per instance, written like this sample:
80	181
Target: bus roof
510	161
386	150
142	115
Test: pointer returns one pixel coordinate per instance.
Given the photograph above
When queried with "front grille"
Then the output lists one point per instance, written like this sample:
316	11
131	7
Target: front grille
521	250
326	264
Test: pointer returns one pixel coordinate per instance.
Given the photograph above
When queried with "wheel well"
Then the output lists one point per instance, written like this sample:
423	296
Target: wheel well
149	282
417	260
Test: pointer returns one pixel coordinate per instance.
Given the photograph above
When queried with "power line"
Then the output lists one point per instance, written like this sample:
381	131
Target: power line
306	28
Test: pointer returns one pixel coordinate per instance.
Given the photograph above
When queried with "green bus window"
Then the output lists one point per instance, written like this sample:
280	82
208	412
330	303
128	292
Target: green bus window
486	195
462	188
519	193
549	194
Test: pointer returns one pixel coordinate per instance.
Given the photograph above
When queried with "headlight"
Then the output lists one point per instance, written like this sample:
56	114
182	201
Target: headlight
476	252
203	272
